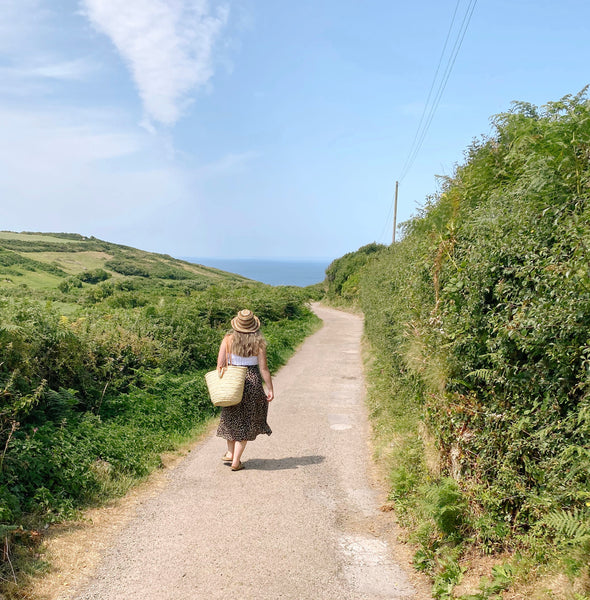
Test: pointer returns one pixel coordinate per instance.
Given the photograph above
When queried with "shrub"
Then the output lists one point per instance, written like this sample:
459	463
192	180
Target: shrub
93	276
68	284
126	267
344	272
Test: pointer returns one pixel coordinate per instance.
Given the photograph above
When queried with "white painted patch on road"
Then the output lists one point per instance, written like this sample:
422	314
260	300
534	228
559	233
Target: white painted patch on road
363	499
368	568
340	427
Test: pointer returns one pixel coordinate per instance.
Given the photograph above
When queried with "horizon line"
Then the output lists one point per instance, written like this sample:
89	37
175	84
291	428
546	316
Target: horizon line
276	259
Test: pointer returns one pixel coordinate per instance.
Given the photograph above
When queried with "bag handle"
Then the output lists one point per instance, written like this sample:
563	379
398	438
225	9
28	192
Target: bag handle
227	354
227	357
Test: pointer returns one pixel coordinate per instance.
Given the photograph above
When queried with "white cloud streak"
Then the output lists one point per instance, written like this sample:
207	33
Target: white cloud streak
167	45
69	70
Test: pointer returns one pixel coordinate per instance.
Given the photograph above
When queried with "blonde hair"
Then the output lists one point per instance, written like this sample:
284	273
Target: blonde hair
246	344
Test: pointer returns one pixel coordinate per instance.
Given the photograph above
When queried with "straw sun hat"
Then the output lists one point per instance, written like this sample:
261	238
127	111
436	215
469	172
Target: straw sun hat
246	322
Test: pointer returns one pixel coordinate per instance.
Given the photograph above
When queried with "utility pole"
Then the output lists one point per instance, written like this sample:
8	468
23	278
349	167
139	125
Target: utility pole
395	211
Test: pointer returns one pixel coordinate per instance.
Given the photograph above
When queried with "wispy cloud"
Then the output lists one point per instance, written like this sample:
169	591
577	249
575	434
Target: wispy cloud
68	70
167	45
38	54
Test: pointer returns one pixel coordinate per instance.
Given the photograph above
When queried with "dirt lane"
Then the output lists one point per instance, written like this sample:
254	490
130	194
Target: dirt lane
301	522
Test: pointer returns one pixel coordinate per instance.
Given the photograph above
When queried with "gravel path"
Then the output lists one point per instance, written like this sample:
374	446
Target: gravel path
299	522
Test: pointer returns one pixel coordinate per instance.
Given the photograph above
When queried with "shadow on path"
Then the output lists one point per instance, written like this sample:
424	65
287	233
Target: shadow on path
278	464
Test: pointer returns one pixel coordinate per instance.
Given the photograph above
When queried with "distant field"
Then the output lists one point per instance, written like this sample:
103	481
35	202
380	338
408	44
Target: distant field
74	262
45	260
33	237
34	279
207	271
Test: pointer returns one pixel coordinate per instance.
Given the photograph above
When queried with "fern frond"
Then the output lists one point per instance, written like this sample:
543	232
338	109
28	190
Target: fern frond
486	375
573	525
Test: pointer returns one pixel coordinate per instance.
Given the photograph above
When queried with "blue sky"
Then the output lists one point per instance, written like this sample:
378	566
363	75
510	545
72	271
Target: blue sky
255	128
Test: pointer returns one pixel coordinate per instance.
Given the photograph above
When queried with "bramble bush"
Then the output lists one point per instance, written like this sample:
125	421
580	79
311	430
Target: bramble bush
514	311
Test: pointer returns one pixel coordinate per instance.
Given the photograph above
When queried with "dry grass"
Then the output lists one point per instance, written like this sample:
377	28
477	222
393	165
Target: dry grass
535	585
431	453
476	567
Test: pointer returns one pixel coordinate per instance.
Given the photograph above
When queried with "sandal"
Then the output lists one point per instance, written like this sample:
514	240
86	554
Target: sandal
225	458
238	468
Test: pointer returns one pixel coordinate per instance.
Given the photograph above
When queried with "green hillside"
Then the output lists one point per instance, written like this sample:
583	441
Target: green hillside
44	260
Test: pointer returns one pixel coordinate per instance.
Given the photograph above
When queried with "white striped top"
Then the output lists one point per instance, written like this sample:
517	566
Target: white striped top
244	361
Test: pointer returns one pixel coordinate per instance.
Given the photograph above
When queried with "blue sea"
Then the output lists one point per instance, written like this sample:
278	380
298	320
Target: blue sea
298	272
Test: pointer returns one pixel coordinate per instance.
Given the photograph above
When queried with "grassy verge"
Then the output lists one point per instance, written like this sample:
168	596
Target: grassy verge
438	519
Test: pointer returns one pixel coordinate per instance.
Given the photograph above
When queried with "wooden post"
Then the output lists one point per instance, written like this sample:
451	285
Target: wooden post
395	211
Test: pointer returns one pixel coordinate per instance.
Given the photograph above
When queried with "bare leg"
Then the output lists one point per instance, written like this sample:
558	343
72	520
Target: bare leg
238	451
230	449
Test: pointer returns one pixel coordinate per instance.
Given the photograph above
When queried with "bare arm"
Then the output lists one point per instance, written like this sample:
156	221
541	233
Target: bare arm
263	366
221	356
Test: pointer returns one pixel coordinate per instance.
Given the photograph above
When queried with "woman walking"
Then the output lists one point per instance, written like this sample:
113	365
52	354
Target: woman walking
242	422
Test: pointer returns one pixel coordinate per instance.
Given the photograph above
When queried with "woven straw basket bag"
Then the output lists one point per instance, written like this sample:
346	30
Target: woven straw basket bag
226	388
227	385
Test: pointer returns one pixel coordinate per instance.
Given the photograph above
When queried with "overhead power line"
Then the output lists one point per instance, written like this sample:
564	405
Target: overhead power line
427	103
432	103
431	107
